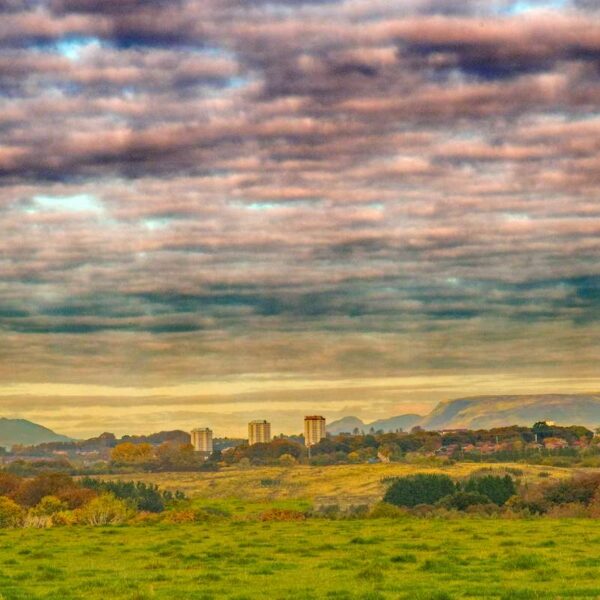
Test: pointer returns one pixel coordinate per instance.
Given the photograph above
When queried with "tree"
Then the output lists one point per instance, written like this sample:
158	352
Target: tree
422	488
269	452
324	446
128	453
177	457
9	483
31	491
542	430
578	489
76	497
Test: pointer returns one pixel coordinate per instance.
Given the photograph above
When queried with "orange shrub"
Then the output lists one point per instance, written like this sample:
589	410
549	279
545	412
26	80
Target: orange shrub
568	510
9	483
180	516
280	514
146	518
31	491
128	453
76	497
11	514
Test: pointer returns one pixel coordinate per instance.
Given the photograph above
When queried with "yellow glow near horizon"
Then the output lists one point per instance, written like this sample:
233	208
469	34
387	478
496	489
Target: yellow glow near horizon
82	410
468	384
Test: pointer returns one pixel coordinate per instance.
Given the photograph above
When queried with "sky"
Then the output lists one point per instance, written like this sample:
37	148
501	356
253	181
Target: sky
219	210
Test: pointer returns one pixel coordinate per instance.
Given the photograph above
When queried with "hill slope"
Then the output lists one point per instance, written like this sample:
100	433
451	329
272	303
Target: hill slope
348	424
21	431
404	422
484	412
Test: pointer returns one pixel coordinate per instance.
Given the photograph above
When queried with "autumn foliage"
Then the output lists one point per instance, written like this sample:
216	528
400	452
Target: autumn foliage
129	453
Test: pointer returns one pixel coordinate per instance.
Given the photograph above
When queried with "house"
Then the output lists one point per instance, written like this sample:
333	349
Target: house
448	450
553	443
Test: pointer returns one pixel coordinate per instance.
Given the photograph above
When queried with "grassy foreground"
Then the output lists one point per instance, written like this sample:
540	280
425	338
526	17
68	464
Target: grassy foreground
363	559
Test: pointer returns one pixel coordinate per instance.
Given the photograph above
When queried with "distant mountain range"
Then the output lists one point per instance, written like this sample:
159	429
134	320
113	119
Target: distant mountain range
479	412
21	431
349	424
485	412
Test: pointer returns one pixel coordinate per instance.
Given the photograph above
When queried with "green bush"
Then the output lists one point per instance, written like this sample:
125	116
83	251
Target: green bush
515	472
47	506
422	488
105	510
146	497
463	500
497	489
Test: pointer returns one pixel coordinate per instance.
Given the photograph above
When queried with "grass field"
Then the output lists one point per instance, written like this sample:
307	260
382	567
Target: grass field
305	482
413	559
243	558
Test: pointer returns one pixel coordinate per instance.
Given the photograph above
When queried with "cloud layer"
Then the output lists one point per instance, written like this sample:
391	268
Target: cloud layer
307	189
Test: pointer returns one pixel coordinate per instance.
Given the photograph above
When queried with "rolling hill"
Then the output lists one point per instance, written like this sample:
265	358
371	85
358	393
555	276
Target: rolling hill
21	431
484	412
348	424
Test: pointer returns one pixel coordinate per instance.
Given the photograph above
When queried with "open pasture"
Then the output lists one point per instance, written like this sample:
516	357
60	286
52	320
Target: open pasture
407	558
308	482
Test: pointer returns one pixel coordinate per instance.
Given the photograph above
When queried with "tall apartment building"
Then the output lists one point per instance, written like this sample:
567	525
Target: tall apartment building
202	439
314	430
259	432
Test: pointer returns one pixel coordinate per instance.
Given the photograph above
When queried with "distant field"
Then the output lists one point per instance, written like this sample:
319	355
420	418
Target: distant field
304	482
412	559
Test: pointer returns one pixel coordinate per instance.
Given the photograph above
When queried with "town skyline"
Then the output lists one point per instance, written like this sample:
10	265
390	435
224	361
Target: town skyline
475	412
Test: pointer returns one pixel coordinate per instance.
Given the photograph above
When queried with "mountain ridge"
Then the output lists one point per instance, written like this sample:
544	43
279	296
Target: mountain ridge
486	412
472	412
348	424
22	431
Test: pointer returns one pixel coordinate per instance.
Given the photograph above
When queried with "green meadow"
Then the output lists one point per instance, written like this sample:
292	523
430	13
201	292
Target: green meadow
406	558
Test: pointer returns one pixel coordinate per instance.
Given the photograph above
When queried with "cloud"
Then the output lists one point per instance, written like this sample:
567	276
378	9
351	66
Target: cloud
307	189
